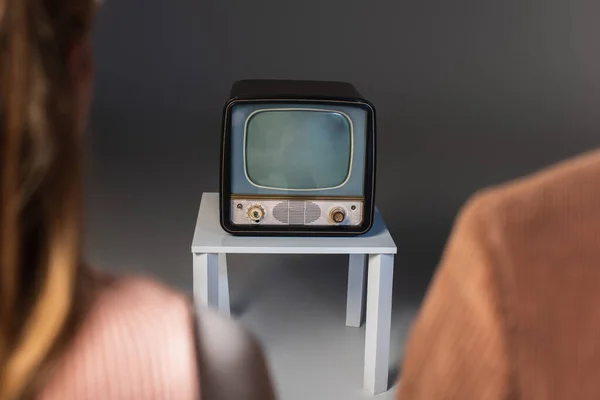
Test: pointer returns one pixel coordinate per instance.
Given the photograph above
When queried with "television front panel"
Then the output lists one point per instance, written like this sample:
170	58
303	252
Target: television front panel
296	163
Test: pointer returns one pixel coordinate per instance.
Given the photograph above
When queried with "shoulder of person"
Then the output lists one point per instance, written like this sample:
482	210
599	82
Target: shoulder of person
226	358
552	191
135	341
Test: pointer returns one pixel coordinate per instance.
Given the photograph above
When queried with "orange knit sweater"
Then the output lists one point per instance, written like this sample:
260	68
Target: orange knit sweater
137	343
513	312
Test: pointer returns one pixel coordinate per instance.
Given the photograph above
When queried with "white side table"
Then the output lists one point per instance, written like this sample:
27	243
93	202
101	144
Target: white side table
211	288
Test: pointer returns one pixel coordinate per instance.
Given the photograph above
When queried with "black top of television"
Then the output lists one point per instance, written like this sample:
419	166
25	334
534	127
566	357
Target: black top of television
257	89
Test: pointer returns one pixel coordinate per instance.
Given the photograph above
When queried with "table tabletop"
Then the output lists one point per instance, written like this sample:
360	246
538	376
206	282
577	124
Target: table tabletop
209	237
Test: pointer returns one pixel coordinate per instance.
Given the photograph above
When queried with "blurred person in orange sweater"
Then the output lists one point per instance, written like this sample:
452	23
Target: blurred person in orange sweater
513	311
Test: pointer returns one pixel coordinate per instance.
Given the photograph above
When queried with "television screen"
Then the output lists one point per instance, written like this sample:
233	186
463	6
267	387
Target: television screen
286	149
298	149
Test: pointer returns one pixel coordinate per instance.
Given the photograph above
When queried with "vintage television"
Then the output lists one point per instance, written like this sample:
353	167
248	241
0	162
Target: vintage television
298	159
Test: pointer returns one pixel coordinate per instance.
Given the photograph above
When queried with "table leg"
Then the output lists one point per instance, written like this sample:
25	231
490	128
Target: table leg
206	280
211	284
378	329
355	302
224	307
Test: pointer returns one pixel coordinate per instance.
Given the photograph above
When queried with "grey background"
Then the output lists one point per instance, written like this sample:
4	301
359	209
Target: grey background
469	93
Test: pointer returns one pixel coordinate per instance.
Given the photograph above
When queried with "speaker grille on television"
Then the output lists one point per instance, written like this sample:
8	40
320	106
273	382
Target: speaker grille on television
296	212
313	212
280	212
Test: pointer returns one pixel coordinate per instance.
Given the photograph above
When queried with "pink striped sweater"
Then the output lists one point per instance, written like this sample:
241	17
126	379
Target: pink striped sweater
137	343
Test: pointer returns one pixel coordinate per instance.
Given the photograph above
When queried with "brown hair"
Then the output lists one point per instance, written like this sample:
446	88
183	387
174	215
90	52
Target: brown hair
40	187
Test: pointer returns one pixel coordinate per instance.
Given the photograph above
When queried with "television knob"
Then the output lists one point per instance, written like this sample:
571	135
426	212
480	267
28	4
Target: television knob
338	215
256	213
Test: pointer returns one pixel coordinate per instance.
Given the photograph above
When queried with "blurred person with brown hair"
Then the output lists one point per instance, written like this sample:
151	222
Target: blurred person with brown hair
67	331
513	312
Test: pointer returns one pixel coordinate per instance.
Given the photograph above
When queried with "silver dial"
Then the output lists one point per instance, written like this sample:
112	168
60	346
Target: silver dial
255	213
